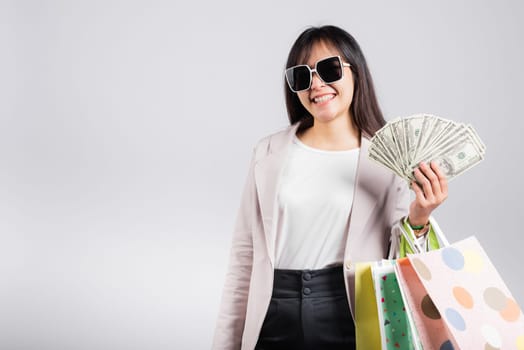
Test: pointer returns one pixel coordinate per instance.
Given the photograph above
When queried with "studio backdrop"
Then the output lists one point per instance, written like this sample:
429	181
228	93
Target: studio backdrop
126	129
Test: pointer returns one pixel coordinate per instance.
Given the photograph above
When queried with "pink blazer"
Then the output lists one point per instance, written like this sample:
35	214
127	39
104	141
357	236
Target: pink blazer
380	200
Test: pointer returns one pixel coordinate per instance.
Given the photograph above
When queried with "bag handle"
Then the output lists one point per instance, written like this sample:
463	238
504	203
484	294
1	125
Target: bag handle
435	236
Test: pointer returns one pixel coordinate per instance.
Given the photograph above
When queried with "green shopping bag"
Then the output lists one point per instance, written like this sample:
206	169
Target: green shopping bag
396	331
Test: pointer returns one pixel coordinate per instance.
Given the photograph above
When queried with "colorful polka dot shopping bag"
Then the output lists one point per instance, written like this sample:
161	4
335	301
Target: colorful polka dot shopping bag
457	300
430	328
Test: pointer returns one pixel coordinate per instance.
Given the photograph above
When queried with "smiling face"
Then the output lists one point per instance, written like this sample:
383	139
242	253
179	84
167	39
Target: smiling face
326	102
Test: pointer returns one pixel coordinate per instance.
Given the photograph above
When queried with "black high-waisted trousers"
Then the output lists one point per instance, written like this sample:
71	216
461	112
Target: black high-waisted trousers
308	310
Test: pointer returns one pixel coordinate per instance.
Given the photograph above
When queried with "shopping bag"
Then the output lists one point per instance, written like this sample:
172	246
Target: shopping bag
366	315
429	330
367	323
396	329
432	332
468	294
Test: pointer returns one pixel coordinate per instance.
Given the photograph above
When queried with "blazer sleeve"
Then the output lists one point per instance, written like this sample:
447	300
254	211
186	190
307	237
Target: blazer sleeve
400	211
403	195
232	312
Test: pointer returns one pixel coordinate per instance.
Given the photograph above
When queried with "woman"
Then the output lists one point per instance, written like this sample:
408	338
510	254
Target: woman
313	205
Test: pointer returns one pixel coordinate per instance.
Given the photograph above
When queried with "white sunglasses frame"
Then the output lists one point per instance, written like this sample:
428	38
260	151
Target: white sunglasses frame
314	70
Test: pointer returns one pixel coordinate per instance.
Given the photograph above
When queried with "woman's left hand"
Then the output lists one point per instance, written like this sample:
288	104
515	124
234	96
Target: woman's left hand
433	190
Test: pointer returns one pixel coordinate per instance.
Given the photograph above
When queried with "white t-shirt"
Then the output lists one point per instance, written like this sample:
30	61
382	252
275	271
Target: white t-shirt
314	202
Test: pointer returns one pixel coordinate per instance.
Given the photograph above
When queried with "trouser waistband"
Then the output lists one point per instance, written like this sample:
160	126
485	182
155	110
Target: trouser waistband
325	282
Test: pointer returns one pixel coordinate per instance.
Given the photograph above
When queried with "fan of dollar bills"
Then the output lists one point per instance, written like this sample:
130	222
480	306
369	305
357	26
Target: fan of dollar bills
405	142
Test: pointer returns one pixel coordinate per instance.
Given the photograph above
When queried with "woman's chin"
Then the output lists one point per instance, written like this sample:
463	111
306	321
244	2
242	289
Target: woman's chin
325	117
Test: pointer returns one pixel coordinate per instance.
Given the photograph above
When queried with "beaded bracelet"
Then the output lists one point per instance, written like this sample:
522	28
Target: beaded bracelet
419	230
417	227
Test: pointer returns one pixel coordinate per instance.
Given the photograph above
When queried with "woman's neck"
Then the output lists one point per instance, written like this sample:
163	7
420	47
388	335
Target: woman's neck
335	135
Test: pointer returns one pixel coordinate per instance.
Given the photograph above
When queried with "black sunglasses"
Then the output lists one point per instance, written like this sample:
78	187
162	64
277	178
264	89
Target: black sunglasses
329	70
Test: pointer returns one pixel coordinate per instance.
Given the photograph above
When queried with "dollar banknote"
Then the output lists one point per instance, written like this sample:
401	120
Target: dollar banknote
403	143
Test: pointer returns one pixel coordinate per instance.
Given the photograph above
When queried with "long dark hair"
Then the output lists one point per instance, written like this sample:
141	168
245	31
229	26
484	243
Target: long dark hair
364	108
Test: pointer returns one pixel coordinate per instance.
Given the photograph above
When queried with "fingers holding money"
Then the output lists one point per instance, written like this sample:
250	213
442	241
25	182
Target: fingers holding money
442	180
431	189
435	185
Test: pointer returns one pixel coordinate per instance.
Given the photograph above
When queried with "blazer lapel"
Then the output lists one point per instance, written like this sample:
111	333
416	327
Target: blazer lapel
268	171
367	191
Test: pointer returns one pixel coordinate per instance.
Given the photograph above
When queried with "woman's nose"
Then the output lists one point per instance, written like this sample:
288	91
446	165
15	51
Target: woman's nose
316	81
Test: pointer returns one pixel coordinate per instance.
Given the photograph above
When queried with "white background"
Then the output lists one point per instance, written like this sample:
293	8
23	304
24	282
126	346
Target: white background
126	130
